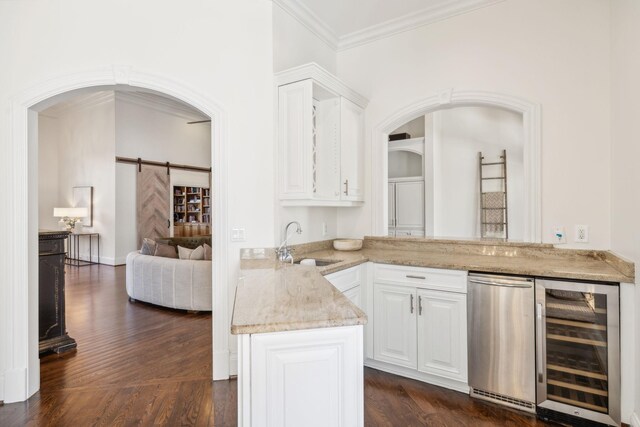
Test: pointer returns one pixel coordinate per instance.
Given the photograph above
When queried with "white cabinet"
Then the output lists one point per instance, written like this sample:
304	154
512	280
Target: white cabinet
320	140
351	150
391	205
394	332
311	377
349	282
406	208
419	323
442	334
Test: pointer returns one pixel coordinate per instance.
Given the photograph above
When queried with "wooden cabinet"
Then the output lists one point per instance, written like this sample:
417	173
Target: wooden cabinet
52	326
419	323
394	331
320	140
311	377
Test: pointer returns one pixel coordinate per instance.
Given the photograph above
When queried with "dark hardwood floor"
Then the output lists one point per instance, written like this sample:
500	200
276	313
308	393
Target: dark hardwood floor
137	364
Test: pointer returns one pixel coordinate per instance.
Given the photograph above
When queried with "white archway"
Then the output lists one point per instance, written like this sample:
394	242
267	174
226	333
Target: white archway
19	335
451	98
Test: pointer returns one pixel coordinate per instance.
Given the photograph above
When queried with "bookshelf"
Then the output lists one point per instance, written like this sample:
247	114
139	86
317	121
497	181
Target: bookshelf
191	210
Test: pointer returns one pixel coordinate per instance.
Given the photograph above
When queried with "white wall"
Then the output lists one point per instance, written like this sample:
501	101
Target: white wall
415	128
86	136
549	52
151	132
625	152
294	45
48	172
220	49
459	134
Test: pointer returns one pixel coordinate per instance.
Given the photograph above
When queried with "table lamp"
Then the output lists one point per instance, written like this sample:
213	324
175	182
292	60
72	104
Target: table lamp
70	217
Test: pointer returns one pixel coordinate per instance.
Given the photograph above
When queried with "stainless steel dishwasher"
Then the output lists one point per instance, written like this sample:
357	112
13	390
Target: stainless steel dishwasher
501	331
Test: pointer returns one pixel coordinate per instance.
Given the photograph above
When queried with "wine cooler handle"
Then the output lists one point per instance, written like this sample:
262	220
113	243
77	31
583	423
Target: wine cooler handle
540	356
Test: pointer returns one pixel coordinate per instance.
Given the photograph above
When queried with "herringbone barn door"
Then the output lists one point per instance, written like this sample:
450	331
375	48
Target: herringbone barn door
153	203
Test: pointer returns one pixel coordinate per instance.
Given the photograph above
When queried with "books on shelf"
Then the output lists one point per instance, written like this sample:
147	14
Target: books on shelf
191	205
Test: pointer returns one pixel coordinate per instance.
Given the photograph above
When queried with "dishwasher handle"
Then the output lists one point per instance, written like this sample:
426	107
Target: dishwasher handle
501	284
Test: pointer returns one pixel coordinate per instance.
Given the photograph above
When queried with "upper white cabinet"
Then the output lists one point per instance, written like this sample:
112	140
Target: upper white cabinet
320	139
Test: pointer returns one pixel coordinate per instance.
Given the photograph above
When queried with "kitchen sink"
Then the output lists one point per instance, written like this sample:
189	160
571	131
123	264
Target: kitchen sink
322	262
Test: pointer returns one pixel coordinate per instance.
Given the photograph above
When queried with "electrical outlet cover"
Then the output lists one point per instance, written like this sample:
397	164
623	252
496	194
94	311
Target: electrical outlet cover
582	233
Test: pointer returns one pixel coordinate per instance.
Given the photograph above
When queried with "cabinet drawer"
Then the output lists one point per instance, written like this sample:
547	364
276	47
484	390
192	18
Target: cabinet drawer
51	246
428	278
345	279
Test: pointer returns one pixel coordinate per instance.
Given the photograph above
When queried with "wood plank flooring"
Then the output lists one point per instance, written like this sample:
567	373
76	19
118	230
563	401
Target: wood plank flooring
138	364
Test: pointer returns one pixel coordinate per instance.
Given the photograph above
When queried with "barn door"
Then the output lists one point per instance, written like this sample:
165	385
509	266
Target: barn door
153	203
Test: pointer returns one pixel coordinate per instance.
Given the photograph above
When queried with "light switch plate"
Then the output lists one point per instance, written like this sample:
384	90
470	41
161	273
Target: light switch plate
237	235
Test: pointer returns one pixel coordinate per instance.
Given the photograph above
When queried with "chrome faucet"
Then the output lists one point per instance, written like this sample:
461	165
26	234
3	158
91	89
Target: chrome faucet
285	254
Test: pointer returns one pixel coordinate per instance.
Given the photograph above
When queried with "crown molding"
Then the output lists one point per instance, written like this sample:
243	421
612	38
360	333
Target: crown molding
310	20
322	77
324	32
411	21
161	104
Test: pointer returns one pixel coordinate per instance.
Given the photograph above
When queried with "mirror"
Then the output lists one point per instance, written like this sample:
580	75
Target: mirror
458	173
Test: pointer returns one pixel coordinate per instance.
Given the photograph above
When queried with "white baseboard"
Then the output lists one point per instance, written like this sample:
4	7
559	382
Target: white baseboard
635	420
15	385
460	386
103	260
233	363
221	365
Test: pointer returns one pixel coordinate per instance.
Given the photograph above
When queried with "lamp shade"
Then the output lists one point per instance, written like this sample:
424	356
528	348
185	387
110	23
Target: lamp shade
70	212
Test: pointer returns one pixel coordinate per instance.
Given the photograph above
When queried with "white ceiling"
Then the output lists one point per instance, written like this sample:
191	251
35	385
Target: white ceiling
347	23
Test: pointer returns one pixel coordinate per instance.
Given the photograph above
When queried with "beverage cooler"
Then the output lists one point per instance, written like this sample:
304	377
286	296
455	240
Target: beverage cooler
578	352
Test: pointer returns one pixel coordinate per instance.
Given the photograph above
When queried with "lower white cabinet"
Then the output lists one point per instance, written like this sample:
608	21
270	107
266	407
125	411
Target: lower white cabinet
349	282
419	321
311	377
394	319
442	334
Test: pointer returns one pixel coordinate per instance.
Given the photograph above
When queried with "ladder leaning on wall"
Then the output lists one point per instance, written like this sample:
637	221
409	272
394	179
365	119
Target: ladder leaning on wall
493	204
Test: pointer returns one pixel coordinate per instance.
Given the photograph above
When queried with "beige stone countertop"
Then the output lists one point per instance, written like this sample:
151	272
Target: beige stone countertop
277	297
565	267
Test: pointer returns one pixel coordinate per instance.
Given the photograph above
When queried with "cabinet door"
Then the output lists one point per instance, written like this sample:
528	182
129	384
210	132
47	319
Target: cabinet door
307	378
354	296
351	150
394	324
391	203
295	139
410	204
442	334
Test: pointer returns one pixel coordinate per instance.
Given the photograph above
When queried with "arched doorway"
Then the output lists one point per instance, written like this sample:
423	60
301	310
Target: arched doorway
451	99
21	331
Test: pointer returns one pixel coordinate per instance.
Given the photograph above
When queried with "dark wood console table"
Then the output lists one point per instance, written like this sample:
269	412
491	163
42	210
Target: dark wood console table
52	327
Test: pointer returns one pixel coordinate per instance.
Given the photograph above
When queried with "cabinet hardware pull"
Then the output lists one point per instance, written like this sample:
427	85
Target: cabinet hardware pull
410	276
346	187
419	305
539	343
411	303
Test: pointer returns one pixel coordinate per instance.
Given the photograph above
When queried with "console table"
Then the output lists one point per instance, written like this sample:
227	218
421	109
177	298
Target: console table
51	299
73	258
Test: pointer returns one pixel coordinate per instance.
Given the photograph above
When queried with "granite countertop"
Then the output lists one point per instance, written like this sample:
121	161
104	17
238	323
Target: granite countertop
282	297
527	259
273	297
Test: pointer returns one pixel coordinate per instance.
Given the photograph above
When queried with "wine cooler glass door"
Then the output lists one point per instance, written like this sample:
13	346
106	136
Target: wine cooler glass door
577	337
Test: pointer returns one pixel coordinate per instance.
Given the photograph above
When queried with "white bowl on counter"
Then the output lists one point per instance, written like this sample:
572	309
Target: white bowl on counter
347	244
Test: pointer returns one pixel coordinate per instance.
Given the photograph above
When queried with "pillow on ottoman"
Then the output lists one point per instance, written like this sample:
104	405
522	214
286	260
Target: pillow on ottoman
166	251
